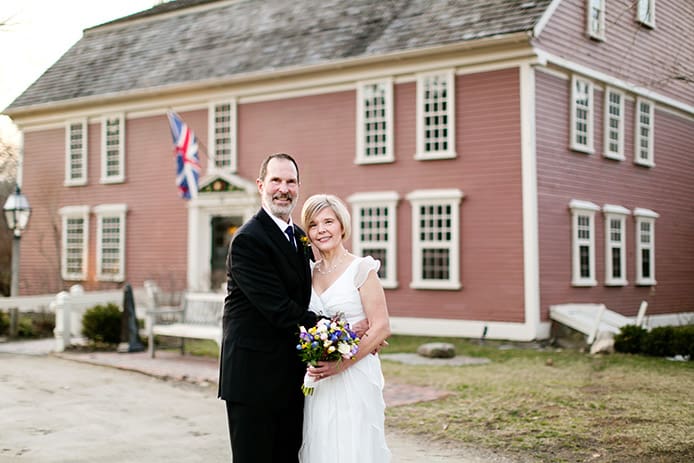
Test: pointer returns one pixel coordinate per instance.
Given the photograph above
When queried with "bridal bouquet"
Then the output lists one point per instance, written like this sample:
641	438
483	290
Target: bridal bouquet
331	339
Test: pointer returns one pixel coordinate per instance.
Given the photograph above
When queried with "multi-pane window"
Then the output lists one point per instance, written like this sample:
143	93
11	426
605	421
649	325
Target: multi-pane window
75	231
222	137
645	12
596	19
645	246
644	133
373	231
375	122
110	242
76	153
614	124
583	242
113	149
581	115
435	116
615	245
435	238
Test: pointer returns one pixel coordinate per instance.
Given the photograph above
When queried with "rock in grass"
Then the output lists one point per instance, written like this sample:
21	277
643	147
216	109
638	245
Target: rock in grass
442	350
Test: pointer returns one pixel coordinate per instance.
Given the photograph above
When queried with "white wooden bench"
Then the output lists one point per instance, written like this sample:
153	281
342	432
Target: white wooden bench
198	317
591	319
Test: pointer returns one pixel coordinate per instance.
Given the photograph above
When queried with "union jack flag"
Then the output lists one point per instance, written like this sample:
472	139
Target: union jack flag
187	161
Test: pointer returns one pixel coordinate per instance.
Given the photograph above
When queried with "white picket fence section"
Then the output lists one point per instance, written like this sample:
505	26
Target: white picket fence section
69	308
39	303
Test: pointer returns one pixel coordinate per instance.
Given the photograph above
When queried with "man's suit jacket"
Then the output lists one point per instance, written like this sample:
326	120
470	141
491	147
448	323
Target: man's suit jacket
268	291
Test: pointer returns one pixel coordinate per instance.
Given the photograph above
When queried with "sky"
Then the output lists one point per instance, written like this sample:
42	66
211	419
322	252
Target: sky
38	32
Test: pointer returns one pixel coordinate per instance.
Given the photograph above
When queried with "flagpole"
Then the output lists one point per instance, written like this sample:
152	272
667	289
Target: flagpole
201	144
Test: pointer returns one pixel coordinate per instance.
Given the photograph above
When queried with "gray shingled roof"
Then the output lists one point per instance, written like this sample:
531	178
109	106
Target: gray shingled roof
262	35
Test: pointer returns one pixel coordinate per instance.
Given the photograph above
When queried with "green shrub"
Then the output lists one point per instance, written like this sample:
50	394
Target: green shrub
629	340
4	323
102	324
44	324
25	328
683	341
663	341
659	342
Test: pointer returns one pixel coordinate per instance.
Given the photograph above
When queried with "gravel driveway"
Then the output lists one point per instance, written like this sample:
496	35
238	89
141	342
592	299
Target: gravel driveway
58	410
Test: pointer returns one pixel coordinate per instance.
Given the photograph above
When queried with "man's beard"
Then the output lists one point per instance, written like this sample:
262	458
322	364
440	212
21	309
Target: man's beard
276	209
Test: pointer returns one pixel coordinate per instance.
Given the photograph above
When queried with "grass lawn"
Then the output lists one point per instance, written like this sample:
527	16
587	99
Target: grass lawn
546	405
552	405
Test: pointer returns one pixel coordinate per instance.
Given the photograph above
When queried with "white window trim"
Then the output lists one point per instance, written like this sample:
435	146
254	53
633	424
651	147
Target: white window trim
600	33
120	178
614	212
588	147
580	208
69	181
619	154
69	212
212	167
641	20
360	157
389	200
650	162
110	210
450	153
645	215
452	197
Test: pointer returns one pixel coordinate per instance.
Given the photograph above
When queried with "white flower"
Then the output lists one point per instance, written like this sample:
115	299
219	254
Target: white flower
343	348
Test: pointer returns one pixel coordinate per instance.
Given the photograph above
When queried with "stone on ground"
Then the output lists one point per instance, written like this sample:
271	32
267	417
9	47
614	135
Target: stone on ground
442	350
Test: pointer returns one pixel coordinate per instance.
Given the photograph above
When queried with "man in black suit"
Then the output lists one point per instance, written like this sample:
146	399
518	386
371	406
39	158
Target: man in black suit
268	292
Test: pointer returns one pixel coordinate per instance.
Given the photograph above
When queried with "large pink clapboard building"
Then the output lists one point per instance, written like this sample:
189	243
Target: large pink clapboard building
499	157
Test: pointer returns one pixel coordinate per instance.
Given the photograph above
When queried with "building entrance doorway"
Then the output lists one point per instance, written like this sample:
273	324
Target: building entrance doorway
223	229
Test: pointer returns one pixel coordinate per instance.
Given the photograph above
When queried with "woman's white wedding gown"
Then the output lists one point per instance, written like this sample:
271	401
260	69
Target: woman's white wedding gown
344	418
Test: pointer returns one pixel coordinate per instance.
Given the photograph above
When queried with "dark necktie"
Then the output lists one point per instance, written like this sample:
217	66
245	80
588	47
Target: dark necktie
290	233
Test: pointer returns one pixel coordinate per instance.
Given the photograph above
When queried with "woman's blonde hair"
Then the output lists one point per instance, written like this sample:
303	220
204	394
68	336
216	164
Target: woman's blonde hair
316	203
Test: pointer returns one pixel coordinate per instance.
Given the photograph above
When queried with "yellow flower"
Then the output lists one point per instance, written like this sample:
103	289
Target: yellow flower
305	242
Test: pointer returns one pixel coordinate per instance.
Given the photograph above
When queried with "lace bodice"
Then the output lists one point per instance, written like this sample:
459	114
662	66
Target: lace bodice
343	294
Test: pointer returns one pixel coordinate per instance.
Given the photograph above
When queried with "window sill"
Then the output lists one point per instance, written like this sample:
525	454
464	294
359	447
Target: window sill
435	156
584	284
436	286
116	278
648	164
582	149
382	160
648	25
221	170
614	156
107	181
619	283
598	37
73	184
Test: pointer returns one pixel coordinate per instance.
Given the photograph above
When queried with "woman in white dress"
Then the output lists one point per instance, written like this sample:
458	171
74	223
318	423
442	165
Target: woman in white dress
344	417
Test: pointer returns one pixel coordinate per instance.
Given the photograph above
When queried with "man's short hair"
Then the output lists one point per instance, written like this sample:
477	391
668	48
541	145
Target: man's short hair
263	166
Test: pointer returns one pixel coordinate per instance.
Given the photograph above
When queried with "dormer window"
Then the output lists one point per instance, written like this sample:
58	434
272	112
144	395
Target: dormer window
645	12
596	19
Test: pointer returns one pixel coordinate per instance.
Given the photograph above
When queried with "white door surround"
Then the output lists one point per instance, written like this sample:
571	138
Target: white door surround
241	200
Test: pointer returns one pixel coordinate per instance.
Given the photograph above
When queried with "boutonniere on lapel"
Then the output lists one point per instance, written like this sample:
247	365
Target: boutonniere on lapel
305	243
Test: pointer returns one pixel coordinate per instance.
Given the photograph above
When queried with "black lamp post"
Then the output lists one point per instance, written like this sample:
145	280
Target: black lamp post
17	212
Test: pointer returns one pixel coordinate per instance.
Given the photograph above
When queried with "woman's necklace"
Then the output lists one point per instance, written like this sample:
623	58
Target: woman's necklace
331	269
